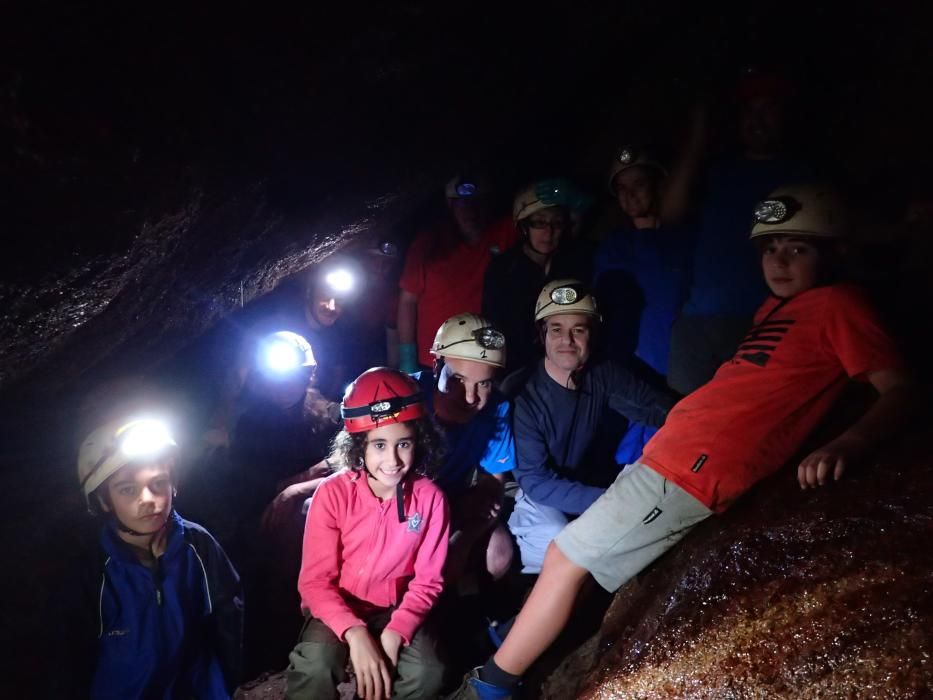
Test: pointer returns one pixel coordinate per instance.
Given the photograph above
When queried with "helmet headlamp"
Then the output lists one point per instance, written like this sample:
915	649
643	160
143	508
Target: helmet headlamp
380	410
388	248
339	280
284	352
627	155
775	211
567	295
466	189
144	438
489	338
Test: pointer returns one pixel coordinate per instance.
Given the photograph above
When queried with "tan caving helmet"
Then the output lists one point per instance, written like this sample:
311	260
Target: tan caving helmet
802	210
566	296
118	443
470	337
540	195
629	157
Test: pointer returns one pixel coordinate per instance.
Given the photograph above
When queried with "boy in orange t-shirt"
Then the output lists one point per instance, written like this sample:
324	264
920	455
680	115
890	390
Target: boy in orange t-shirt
809	338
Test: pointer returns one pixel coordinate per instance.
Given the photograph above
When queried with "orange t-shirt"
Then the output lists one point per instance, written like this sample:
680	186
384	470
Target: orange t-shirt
449	281
754	414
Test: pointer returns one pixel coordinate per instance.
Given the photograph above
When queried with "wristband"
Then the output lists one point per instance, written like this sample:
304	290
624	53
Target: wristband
407	358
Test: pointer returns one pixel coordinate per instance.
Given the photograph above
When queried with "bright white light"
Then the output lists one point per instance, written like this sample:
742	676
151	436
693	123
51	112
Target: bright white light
282	357
339	280
145	437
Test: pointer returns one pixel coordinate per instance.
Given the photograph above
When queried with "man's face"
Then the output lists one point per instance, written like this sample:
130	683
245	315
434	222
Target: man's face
761	125
323	305
140	497
635	190
545	229
790	266
567	340
465	386
469	214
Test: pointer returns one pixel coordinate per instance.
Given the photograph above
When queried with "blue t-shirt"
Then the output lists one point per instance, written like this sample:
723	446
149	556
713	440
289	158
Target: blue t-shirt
641	279
727	277
486	440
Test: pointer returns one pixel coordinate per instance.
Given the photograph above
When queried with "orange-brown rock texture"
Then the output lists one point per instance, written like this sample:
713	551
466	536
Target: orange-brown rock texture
824	593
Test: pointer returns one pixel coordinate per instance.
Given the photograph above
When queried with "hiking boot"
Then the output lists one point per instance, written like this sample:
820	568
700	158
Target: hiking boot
473	688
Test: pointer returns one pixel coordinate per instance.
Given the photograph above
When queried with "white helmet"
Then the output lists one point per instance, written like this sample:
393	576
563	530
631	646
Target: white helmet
803	210
470	337
118	443
284	352
628	157
566	296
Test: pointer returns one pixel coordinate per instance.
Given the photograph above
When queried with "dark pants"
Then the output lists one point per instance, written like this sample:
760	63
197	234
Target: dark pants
318	663
699	345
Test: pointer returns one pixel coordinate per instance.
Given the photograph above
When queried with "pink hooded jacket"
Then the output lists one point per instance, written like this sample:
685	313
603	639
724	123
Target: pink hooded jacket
358	558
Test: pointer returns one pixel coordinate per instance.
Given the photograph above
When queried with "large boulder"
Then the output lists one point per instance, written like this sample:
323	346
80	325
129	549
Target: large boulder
824	593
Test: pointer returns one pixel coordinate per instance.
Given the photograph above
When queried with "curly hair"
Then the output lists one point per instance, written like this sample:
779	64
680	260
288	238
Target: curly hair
350	448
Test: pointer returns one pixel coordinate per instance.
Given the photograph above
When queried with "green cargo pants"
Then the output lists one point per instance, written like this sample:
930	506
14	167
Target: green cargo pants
319	662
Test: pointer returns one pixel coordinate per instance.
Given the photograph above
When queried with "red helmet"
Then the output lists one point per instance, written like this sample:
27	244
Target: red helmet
380	396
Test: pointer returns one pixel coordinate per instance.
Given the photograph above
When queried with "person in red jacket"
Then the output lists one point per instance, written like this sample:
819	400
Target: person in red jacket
444	269
375	544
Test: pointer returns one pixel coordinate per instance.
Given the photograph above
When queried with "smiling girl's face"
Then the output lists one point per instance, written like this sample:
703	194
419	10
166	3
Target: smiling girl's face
390	454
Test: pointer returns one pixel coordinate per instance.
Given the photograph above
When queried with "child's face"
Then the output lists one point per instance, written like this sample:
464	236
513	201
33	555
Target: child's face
465	386
140	497
790	265
390	453
635	190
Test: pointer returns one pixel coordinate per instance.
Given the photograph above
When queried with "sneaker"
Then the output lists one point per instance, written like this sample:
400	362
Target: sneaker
473	688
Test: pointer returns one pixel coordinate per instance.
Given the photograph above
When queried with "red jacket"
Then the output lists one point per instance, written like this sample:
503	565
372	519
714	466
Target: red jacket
358	558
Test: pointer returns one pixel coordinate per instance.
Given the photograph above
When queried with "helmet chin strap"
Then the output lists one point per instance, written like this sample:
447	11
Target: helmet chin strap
399	495
119	525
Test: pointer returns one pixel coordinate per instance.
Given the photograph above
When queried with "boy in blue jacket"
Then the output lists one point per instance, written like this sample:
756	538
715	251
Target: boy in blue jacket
157	610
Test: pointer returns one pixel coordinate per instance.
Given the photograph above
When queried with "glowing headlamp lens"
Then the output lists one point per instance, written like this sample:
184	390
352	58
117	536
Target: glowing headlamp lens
144	438
549	194
771	211
339	280
466	189
626	156
565	295
489	338
281	356
284	352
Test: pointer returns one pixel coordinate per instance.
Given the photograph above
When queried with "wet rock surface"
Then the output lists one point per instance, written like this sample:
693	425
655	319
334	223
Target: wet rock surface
825	593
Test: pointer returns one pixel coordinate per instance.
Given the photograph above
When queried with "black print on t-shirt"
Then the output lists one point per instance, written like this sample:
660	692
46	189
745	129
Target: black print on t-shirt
761	341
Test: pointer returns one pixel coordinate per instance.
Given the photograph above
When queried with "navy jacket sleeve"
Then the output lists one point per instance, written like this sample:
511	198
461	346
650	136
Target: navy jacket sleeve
636	399
535	467
226	593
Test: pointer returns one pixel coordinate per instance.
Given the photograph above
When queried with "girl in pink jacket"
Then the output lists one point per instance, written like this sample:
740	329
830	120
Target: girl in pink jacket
374	546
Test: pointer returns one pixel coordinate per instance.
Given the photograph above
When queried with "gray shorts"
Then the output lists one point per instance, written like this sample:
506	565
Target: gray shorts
534	525
640	517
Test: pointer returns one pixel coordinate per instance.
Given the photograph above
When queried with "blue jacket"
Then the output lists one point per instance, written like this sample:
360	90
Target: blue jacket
173	631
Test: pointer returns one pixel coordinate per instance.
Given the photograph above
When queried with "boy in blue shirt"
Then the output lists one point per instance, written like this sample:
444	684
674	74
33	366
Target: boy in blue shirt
157	610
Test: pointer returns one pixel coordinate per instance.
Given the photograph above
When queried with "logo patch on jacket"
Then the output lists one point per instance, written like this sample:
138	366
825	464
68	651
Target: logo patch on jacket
414	523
